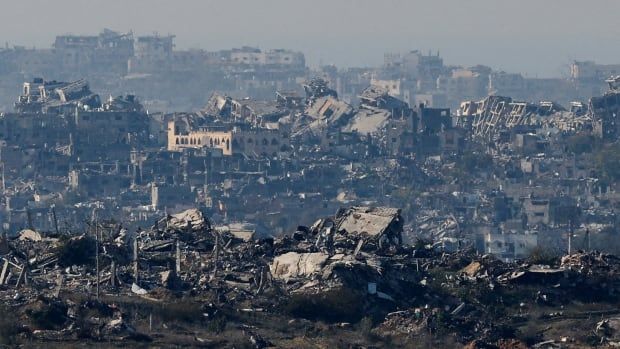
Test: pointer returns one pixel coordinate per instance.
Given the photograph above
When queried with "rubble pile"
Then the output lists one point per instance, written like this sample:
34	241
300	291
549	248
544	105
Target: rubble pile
346	267
592	263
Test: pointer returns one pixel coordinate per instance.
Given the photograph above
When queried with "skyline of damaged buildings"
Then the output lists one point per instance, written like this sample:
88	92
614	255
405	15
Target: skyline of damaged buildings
159	197
470	156
170	80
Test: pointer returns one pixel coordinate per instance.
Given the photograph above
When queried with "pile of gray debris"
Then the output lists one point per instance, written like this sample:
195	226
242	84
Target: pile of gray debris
358	248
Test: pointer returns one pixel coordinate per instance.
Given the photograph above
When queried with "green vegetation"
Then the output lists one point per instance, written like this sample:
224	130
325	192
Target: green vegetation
77	251
472	162
540	255
47	315
582	143
8	327
607	162
331	306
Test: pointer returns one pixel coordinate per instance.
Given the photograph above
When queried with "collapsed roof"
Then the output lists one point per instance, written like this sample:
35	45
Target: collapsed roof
317	88
42	96
370	221
378	97
329	109
495	113
380	227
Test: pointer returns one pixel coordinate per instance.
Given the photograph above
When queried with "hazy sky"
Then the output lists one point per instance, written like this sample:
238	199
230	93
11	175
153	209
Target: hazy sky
537	37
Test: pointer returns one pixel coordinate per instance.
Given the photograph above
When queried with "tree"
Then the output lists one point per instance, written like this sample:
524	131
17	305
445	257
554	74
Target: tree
607	162
581	143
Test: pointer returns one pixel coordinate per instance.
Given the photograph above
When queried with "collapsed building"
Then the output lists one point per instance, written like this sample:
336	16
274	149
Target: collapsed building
237	155
69	114
63	130
240	139
384	123
42	96
604	110
488	117
400	128
318	88
511	179
320	119
105	53
336	271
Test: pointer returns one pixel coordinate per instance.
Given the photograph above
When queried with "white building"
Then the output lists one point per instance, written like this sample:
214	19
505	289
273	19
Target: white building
510	246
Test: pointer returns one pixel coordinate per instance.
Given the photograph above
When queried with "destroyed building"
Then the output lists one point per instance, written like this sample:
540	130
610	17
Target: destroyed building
336	271
433	225
105	53
488	117
604	109
42	96
246	140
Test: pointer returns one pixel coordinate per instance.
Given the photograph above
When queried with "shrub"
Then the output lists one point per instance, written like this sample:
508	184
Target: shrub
530	335
77	251
540	255
187	312
48	316
330	306
217	324
8	327
365	326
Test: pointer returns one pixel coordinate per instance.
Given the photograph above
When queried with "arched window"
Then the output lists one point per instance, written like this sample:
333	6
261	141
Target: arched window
177	140
265	141
211	142
228	144
199	141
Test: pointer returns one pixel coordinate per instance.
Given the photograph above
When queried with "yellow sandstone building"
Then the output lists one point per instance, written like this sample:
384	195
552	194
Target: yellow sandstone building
253	142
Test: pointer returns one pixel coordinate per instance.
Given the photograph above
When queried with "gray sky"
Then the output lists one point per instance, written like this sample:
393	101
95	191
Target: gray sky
536	37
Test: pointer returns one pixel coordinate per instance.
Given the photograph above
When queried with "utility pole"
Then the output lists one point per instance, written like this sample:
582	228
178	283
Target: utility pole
216	252
97	254
55	219
3	180
29	217
135	260
570	235
113	279
204	163
178	259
